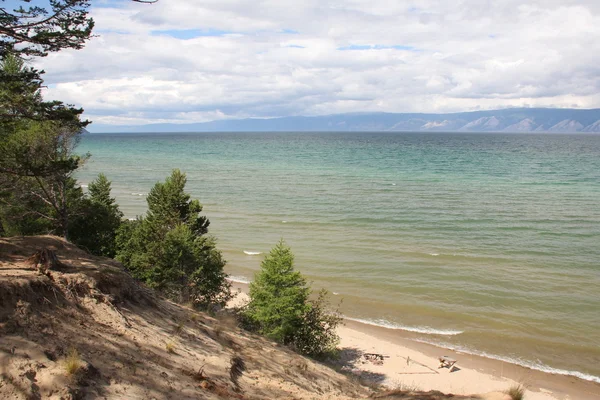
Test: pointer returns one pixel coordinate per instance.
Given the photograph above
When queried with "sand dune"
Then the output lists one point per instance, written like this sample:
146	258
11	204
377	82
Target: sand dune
123	333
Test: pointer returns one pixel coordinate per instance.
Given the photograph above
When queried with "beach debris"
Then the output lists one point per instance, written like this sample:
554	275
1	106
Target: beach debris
447	362
374	358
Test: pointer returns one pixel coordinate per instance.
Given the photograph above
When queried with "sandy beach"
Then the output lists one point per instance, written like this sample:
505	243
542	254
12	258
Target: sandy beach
408	363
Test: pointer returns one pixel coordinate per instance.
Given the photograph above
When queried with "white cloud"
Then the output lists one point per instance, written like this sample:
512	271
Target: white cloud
273	58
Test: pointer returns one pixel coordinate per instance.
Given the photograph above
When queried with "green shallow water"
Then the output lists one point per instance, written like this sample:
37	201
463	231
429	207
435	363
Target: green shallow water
485	242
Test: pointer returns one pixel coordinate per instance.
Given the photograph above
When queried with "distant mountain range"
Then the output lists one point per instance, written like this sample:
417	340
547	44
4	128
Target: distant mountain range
551	120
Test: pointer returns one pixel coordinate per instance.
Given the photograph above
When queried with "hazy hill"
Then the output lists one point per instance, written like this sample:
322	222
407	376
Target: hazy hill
555	120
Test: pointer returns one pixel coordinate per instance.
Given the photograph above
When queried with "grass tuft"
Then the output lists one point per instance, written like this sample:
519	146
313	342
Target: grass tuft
516	392
218	329
170	347
73	362
179	328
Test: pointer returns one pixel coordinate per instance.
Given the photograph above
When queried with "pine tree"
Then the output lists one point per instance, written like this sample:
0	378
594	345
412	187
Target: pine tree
278	296
281	309
37	152
99	191
44	27
169	205
37	137
96	225
170	250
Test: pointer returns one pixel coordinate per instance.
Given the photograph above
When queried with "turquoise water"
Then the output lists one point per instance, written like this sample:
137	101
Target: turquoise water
489	243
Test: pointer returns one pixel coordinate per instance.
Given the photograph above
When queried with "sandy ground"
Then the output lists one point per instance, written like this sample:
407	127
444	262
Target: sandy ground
407	367
130	343
408	364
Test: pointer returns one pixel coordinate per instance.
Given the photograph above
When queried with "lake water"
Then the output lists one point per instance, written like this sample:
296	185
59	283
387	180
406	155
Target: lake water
489	243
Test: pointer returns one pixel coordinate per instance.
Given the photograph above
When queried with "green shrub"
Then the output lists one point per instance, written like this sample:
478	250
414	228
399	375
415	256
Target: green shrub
317	334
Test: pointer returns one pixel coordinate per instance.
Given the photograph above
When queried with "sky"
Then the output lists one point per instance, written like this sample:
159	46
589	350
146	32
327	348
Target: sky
183	61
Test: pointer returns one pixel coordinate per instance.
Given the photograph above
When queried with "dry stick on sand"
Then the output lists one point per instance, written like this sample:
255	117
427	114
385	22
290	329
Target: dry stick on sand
413	361
236	370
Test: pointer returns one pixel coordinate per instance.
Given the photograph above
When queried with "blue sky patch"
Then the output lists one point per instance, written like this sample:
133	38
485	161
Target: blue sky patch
110	4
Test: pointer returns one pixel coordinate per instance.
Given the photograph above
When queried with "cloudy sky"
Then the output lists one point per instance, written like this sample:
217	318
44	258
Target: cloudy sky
200	60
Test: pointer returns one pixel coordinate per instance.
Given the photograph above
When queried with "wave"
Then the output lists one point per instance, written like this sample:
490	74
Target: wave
434	254
84	185
138	194
239	279
252	253
538	366
417	329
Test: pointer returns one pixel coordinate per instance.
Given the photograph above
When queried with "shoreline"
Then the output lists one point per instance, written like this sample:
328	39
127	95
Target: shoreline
414	363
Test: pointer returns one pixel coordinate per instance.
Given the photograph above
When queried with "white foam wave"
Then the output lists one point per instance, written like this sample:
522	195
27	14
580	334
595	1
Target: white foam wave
434	254
252	253
538	366
138	194
336	294
284	222
131	219
417	329
239	279
84	186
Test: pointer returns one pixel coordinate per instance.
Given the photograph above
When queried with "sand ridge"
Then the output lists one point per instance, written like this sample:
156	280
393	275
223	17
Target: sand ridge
131	343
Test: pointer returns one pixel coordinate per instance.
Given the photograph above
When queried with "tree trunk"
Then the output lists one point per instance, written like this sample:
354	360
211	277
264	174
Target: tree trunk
64	209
